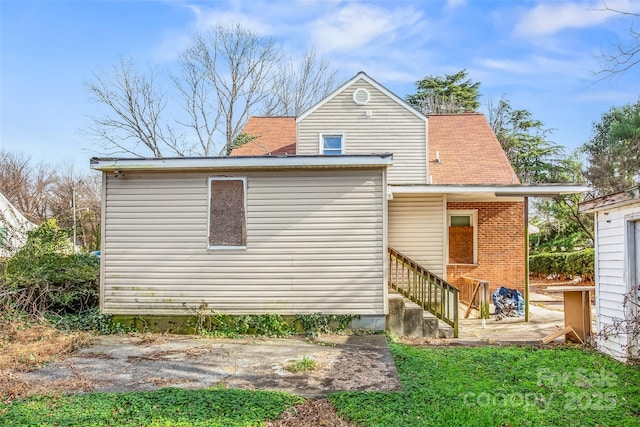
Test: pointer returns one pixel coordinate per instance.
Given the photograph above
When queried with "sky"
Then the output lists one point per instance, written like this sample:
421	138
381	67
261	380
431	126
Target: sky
540	55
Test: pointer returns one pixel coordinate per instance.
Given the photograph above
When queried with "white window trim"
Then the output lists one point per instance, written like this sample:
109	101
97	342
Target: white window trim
474	222
342	136
244	185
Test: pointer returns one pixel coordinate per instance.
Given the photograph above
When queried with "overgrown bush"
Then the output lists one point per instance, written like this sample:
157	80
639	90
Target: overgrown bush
564	264
44	276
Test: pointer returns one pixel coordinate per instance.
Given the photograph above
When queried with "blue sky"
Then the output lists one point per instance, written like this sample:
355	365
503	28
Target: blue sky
541	55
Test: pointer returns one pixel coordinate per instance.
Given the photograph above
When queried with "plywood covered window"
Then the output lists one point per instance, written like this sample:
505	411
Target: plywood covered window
227	213
463	237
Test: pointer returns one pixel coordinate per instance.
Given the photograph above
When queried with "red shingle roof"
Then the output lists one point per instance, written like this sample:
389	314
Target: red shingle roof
274	136
469	151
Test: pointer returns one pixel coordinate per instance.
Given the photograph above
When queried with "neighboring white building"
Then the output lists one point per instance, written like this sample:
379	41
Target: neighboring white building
13	228
617	267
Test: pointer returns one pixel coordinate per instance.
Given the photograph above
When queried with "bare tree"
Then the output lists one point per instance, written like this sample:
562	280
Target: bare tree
134	122
236	65
227	74
40	192
299	85
25	185
625	53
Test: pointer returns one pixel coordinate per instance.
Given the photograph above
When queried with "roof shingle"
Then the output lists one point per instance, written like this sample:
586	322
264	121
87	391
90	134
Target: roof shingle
468	150
465	144
274	136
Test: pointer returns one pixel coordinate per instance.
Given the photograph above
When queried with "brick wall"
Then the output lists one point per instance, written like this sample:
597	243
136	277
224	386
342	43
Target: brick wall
500	245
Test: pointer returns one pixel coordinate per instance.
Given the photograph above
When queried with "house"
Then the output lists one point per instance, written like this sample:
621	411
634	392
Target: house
317	214
617	271
13	228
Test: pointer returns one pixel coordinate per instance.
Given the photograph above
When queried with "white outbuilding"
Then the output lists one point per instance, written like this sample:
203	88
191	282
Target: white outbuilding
617	271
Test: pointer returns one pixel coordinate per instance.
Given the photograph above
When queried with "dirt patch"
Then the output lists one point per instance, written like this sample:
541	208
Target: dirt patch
26	347
311	413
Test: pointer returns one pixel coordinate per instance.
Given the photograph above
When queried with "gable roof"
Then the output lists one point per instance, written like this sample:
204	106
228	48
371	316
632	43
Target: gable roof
274	136
363	76
10	216
468	151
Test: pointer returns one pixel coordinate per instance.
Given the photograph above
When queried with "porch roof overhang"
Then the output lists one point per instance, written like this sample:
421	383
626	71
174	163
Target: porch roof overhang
241	162
493	190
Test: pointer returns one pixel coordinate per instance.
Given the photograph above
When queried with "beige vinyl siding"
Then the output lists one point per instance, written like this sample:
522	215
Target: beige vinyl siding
314	244
611	274
416	228
390	129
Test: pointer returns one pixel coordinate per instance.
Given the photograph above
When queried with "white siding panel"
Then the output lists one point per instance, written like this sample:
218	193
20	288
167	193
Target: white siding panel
416	228
611	274
389	129
314	243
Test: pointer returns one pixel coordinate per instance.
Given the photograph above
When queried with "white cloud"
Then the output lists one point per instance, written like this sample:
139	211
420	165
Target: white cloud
550	18
454	4
539	66
357	25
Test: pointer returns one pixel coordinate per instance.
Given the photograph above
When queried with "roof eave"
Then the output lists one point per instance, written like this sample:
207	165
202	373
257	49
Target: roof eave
241	162
499	190
611	201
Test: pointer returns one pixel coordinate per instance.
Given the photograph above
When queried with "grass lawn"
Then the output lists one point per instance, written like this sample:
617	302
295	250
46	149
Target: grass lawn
501	386
484	386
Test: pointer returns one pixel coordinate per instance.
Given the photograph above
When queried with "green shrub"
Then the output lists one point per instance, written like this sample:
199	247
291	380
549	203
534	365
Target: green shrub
45	277
581	263
563	264
548	264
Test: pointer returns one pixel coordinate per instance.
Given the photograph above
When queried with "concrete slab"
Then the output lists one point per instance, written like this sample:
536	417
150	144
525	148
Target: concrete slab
152	362
513	330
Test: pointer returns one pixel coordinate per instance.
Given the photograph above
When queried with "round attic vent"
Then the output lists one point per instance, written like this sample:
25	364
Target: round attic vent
361	96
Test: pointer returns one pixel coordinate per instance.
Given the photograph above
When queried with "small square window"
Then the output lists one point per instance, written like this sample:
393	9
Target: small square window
332	145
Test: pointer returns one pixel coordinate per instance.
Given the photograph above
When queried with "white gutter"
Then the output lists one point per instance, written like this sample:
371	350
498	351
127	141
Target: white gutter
257	162
508	190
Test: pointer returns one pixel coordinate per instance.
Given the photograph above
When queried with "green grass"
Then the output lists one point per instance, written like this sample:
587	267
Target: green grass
302	365
166	407
507	386
486	386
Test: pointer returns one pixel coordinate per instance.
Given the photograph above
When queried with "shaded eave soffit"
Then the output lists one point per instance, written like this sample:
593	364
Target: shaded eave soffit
497	190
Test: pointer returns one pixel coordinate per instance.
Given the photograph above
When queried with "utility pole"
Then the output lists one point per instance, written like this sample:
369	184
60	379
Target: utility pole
73	207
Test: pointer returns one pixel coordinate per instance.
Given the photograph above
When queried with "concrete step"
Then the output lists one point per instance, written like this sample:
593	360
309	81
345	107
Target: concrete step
407	318
412	320
445	330
430	324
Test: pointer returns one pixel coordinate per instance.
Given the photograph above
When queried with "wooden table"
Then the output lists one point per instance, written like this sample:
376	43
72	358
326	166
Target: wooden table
577	313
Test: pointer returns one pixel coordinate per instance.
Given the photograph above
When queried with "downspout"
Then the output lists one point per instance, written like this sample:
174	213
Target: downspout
526	259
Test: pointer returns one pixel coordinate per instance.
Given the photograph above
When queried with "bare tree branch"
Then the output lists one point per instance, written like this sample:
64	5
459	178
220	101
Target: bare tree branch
298	86
625	54
134	118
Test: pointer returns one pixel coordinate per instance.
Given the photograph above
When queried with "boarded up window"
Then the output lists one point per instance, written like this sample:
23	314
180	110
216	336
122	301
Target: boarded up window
461	239
227	222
